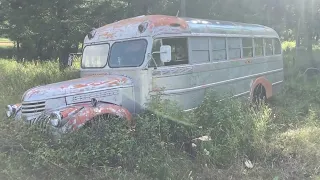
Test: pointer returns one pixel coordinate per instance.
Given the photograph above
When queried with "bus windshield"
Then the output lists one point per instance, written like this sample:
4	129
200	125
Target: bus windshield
95	56
128	53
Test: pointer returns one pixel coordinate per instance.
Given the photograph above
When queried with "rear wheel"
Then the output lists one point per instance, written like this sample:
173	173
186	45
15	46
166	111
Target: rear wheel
259	96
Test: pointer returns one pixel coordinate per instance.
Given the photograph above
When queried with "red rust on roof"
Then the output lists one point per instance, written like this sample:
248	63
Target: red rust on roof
130	25
159	20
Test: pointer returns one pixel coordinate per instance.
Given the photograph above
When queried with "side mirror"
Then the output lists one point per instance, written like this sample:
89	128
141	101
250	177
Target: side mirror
165	53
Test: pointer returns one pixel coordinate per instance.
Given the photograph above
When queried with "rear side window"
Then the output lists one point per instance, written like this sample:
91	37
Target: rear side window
268	46
277	46
234	46
219	48
258	44
247	47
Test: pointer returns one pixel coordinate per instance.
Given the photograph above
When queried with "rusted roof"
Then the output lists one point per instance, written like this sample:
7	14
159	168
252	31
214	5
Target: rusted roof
153	25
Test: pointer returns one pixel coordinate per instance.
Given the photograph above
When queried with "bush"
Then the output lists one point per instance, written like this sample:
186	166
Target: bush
163	143
236	130
288	45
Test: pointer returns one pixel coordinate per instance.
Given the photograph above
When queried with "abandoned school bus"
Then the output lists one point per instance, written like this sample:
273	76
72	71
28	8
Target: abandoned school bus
126	62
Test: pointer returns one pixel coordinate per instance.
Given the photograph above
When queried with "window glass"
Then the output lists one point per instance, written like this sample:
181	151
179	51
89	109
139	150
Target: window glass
246	42
234	45
128	53
156	56
234	53
277	46
219	49
268	46
247	52
219	43
258	43
200	50
179	47
247	47
95	56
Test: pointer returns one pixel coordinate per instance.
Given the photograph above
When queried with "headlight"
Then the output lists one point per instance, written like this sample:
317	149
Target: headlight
55	119
10	111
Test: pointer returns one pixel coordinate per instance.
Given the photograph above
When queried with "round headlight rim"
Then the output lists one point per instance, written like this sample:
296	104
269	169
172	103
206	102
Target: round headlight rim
55	116
10	111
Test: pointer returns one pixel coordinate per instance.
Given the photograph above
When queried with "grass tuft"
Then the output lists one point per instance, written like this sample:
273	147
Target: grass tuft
280	139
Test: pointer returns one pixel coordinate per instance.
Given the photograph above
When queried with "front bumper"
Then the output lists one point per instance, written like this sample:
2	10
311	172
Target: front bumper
72	117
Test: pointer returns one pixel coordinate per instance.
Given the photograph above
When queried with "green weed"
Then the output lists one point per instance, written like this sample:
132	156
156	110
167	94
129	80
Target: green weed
279	139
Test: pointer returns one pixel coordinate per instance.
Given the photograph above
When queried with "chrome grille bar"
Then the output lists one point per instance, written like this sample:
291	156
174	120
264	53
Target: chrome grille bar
33	107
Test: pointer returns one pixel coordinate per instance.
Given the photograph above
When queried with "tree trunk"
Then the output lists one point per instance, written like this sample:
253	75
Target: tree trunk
298	34
18	50
309	32
183	8
63	56
39	49
309	47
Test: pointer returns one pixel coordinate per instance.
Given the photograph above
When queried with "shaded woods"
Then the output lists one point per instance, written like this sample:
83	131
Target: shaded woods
51	29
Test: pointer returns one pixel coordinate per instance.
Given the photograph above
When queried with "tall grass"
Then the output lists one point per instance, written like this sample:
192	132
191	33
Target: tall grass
280	139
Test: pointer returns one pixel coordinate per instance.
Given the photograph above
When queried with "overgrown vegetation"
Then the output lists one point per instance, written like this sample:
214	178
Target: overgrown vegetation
280	140
52	29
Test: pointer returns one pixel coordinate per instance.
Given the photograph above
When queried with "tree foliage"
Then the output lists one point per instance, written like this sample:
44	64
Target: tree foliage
53	28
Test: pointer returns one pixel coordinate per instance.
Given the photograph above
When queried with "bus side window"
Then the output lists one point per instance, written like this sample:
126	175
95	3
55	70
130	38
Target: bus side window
268	46
234	47
219	49
247	47
156	56
179	47
258	44
277	46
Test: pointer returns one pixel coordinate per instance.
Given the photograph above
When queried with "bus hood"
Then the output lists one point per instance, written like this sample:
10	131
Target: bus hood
76	86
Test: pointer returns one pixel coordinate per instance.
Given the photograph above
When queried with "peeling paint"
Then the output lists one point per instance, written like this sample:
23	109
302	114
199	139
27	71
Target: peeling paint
88	112
128	28
87	84
161	24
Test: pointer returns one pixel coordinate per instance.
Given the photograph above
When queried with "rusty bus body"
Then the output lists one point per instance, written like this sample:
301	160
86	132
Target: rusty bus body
126	62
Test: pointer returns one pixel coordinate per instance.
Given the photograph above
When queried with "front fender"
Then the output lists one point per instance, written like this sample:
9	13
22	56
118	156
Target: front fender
78	115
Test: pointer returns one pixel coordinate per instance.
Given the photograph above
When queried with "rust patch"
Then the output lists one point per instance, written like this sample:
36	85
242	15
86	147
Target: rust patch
129	27
159	20
265	83
110	83
89	112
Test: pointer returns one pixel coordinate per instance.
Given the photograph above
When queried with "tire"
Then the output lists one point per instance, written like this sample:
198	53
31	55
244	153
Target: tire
259	96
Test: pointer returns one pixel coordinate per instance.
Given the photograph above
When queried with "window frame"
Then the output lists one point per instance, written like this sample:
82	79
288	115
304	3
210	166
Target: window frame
184	38
274	46
212	50
82	67
265	47
247	47
144	56
240	48
262	46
